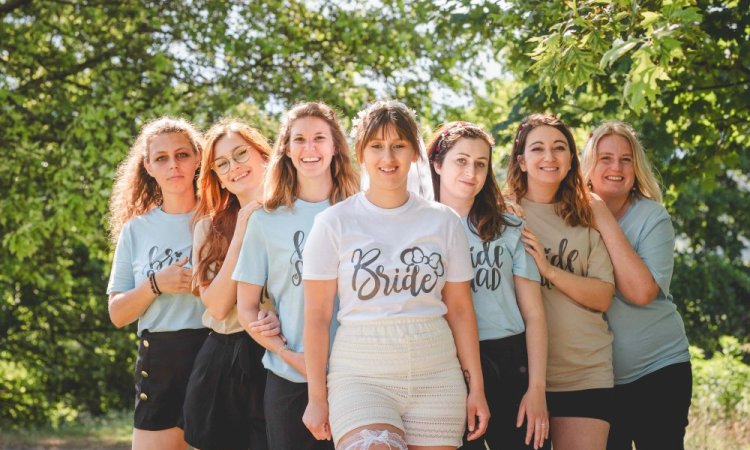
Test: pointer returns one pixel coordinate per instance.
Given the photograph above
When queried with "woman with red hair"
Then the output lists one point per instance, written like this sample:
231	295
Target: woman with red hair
224	401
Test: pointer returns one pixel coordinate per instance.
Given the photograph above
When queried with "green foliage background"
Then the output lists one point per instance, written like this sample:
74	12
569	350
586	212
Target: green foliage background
77	80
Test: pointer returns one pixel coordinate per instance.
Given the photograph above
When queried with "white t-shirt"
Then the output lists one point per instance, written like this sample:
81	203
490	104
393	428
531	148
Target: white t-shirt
388	262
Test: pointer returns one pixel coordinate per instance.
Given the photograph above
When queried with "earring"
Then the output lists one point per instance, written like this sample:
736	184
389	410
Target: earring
590	185
158	197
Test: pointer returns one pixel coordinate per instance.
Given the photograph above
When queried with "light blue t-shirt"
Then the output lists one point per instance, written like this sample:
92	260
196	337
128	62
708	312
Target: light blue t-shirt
492	287
648	338
272	253
150	243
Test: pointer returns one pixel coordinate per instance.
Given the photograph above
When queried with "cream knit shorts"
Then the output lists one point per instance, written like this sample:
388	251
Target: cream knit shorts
403	372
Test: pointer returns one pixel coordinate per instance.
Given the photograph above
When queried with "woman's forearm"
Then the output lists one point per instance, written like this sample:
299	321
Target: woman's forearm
319	299
529	298
220	295
248	306
591	293
463	324
632	277
126	307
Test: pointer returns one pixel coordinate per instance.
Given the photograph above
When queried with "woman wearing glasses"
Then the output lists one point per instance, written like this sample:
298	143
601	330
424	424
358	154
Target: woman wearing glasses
150	210
224	402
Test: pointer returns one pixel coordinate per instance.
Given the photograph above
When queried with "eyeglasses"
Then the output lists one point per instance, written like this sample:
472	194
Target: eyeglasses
239	155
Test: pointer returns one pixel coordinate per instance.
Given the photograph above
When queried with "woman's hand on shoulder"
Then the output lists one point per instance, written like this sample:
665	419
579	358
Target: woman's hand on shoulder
535	248
598	208
243	216
514	207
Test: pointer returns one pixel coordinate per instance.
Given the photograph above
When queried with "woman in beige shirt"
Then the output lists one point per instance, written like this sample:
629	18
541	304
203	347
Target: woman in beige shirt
544	177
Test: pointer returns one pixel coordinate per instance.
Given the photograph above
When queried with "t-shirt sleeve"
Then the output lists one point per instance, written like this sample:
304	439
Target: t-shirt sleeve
252	264
320	258
523	264
121	277
458	262
656	248
599	263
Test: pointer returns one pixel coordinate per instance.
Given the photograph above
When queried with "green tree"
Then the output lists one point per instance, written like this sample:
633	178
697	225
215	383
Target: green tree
77	79
678	71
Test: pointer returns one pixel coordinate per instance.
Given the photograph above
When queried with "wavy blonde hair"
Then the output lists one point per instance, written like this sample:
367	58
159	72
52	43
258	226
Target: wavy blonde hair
135	192
571	198
219	205
280	185
646	183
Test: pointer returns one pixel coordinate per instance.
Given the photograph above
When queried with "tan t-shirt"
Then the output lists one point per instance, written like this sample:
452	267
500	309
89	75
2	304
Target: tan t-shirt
580	343
230	324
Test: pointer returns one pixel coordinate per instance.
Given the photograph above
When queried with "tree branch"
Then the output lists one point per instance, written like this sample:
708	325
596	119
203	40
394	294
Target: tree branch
12	5
71	71
720	86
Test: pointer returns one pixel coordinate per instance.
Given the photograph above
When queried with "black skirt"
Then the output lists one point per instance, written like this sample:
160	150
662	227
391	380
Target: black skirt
224	401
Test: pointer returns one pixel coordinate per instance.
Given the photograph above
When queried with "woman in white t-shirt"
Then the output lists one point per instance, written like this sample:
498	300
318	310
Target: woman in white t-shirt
150	210
544	176
507	296
401	267
309	170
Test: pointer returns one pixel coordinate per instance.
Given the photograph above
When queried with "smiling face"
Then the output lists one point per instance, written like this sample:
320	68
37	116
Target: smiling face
387	158
464	170
238	165
546	158
311	147
613	174
172	162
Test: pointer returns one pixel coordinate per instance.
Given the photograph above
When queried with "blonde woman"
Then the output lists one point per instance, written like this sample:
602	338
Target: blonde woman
653	379
150	212
309	170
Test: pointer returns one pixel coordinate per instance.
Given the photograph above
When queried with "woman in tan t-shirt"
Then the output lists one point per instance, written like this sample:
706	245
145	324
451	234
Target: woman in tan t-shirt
577	280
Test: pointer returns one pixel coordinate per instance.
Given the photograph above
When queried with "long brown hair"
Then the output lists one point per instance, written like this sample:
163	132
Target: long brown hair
135	192
486	218
216	204
571	198
281	186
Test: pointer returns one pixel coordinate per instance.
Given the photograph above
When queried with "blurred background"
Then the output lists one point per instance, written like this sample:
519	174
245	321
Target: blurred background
79	77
